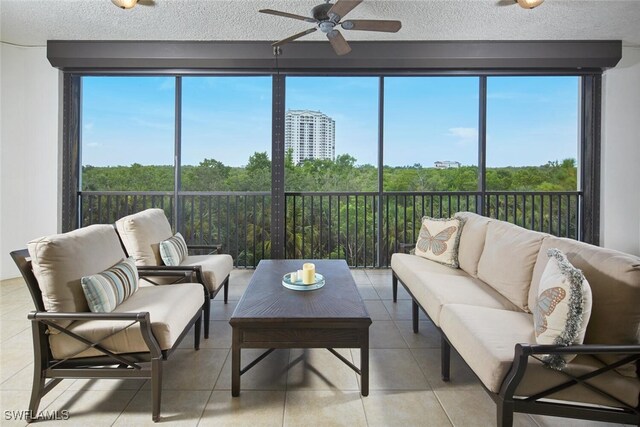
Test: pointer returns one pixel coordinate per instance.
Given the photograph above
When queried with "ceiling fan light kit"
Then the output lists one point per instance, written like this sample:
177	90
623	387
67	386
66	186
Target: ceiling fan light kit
529	4
327	17
125	4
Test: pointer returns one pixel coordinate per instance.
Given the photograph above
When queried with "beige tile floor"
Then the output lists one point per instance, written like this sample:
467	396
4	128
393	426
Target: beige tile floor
289	388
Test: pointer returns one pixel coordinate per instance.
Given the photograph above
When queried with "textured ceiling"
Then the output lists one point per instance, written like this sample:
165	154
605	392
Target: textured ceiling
33	22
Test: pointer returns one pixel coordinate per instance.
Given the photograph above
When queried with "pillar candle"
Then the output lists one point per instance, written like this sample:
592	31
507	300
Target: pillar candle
294	277
308	273
299	275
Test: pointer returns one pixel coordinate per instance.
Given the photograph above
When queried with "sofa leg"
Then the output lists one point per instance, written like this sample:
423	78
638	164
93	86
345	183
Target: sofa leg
226	290
505	413
207	316
414	315
196	338
445	358
156	388
394	286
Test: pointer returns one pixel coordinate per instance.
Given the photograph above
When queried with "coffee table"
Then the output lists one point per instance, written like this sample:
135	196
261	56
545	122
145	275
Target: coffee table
271	316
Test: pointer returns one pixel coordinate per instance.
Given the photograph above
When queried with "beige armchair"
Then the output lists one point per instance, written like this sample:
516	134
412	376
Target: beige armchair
72	342
141	234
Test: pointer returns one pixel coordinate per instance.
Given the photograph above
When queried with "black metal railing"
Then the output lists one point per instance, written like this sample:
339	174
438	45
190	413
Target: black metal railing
340	225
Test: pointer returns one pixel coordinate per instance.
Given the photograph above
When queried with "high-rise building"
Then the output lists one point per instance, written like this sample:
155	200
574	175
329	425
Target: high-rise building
310	134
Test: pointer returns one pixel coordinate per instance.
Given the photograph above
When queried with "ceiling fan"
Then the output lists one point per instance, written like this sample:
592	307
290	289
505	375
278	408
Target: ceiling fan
328	16
129	4
526	4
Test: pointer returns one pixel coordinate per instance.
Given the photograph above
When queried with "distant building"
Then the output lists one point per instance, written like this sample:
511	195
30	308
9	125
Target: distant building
446	164
310	134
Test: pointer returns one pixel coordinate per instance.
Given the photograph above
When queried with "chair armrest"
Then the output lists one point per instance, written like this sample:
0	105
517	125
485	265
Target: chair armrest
531	349
406	247
173	271
46	315
215	248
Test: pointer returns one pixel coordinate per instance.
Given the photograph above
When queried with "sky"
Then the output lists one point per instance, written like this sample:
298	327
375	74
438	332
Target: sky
530	120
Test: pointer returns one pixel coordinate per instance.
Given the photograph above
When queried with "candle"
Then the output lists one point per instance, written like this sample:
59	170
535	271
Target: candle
294	277
299	275
308	273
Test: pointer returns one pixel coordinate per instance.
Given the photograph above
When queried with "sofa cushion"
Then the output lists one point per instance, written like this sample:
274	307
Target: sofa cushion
173	250
170	308
486	338
141	234
507	260
105	291
614	278
562	311
61	260
215	268
472	241
439	239
434	285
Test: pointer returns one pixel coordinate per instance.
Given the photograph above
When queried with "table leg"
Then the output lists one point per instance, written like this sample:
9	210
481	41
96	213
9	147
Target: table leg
364	363
235	364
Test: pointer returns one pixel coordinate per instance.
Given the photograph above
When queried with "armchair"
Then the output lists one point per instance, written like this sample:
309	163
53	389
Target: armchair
141	234
72	342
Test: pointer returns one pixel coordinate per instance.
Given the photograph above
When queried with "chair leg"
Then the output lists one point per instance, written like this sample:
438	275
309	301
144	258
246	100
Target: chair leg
37	391
196	338
156	388
504	413
445	358
414	315
226	290
394	286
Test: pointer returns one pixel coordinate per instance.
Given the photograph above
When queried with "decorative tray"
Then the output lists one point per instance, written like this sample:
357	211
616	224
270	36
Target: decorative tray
299	286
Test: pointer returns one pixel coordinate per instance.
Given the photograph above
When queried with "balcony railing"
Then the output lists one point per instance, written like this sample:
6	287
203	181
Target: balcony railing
351	226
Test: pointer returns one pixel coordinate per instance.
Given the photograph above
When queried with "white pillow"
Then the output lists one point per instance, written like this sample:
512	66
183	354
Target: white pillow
563	307
174	250
439	239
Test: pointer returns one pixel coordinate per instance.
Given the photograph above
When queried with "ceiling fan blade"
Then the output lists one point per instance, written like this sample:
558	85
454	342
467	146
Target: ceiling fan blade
342	7
146	2
293	37
506	2
338	42
372	25
287	15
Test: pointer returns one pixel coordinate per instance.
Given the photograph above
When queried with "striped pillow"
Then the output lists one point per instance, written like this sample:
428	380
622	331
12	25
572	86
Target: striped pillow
104	291
173	250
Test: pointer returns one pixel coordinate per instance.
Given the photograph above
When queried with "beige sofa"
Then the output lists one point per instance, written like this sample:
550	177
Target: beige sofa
482	310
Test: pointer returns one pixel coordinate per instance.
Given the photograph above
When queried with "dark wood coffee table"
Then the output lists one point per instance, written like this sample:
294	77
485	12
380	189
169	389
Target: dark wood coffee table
271	316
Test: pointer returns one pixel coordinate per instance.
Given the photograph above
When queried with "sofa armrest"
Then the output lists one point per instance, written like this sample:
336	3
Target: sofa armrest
143	318
214	249
179	271
523	352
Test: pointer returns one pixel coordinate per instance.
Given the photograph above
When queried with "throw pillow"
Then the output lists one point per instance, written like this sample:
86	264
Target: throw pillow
563	307
105	291
174	250
439	239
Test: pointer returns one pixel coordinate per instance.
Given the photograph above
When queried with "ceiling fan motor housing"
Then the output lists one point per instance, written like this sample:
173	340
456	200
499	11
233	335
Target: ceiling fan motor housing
320	12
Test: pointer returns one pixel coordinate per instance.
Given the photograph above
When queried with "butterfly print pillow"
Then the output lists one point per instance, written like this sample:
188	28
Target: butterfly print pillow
563	307
438	240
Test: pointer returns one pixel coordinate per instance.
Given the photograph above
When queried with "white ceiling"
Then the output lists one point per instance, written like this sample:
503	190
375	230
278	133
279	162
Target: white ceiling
33	22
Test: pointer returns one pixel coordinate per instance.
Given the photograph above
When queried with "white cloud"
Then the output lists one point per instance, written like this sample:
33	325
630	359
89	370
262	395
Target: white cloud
464	133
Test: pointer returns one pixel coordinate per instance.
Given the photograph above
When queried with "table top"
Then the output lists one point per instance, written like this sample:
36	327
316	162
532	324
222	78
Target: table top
266	299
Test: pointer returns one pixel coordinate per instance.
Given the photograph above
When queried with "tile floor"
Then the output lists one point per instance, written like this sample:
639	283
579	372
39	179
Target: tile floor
288	388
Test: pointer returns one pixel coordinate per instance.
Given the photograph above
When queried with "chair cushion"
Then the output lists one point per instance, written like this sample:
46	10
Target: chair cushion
472	240
174	250
215	268
507	260
614	278
105	291
439	239
434	285
141	234
61	260
486	338
562	311
170	308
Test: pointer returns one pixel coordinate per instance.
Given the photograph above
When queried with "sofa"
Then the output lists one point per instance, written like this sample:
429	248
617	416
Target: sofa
483	310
